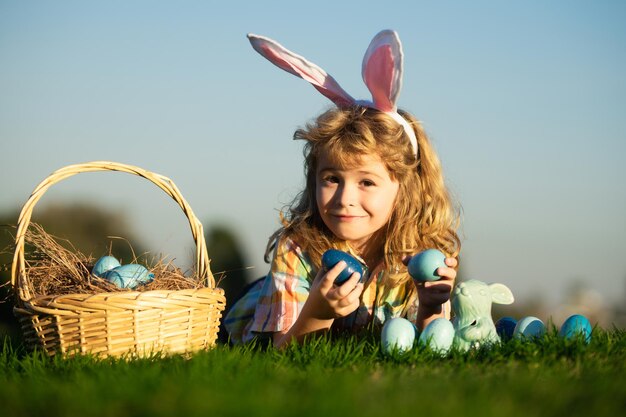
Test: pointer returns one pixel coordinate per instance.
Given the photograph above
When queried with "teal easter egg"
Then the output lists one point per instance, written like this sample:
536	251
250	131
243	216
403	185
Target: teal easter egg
424	265
129	276
104	264
332	257
529	328
576	326
505	327
398	334
438	336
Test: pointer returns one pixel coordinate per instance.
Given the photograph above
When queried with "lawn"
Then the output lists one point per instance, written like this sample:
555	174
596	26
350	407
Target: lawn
341	376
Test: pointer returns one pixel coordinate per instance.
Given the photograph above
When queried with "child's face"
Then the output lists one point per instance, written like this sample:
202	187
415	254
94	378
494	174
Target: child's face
356	202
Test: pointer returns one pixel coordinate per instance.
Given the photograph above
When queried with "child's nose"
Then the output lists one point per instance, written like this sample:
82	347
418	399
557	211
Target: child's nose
347	195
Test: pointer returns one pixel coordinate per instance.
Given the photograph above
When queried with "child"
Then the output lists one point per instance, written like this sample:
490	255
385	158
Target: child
374	188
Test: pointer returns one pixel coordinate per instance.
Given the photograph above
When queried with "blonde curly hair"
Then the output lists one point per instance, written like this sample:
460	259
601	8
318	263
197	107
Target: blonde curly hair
423	216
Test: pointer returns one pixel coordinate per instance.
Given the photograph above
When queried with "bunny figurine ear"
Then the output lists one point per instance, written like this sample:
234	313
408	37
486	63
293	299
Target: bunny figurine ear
301	67
382	70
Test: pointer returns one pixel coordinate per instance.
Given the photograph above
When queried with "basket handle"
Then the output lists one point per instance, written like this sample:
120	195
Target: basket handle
202	258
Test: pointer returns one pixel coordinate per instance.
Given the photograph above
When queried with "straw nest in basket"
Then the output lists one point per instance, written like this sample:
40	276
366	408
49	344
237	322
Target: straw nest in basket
53	269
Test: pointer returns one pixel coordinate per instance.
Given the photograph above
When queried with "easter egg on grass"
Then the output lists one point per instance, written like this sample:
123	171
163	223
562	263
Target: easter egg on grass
423	266
129	276
398	334
438	336
529	328
576	327
104	264
332	257
505	327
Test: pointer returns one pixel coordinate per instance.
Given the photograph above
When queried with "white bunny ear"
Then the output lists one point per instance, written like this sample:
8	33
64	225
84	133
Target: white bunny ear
301	67
382	70
501	294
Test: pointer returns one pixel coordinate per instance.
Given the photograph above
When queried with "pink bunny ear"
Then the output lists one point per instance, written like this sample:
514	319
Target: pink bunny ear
382	73
382	70
301	67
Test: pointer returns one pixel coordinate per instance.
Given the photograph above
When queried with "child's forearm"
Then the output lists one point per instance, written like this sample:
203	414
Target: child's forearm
304	325
427	314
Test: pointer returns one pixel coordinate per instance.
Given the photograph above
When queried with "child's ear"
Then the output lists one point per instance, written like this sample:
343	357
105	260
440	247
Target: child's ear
382	70
500	294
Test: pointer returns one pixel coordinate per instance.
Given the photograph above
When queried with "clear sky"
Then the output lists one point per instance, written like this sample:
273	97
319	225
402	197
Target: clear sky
525	103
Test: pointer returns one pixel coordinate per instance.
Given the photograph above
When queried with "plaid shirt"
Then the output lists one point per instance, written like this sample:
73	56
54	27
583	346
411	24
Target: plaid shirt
272	304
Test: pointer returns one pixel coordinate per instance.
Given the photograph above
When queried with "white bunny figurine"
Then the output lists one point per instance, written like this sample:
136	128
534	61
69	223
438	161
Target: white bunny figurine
471	306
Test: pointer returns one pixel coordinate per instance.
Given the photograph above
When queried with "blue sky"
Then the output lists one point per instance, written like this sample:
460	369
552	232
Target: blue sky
524	101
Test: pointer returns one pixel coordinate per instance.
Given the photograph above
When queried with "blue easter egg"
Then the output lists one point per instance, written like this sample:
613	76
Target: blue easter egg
331	257
104	264
438	336
529	328
129	276
576	326
424	265
398	334
505	327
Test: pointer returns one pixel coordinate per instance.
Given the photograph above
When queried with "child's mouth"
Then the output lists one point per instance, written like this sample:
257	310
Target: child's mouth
347	218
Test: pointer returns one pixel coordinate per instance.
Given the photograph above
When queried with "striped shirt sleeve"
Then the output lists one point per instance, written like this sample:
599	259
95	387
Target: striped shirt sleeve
284	291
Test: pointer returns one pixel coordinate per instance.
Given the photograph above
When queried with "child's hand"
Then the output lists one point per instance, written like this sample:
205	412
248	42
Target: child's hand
432	294
325	303
328	301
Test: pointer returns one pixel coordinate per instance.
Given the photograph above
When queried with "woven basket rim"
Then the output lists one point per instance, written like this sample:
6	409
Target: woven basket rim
19	282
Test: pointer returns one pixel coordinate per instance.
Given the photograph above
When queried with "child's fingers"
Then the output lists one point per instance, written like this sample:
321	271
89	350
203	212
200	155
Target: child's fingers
356	292
353	296
328	279
344	289
446	273
451	262
435	293
350	302
443	286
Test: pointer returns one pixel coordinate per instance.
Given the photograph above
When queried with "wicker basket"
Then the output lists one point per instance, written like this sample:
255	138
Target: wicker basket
118	323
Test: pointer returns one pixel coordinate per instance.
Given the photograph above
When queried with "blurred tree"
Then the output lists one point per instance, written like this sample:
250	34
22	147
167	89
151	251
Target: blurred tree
88	227
85	225
227	261
227	264
8	324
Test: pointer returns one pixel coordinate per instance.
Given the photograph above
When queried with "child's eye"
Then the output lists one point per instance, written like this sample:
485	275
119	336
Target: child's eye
331	179
368	183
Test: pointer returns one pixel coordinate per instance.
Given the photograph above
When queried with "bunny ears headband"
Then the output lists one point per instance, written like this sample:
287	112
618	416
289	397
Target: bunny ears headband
381	71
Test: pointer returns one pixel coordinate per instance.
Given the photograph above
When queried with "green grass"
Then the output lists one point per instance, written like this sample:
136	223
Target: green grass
345	376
